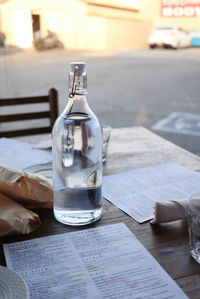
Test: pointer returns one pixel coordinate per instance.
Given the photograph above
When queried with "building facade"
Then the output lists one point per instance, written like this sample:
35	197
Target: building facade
185	13
94	24
79	24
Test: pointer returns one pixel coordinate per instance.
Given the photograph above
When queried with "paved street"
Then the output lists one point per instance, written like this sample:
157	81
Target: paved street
125	88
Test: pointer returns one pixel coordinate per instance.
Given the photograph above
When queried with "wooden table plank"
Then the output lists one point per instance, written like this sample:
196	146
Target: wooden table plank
136	147
190	285
132	148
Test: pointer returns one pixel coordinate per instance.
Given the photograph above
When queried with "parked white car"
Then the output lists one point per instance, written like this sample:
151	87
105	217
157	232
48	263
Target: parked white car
169	36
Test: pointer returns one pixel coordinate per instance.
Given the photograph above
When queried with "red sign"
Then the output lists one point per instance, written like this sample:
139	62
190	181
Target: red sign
180	8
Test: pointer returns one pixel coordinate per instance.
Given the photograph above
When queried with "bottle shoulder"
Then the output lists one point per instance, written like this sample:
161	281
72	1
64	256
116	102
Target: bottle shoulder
78	113
77	119
73	116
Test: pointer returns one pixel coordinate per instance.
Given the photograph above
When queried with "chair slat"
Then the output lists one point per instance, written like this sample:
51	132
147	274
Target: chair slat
33	131
22	101
24	116
52	113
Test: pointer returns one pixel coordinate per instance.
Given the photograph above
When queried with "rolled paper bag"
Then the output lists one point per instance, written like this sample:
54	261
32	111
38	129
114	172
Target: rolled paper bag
171	210
15	219
27	189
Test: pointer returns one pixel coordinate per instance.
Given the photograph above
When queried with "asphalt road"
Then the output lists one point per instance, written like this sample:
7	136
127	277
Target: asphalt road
124	88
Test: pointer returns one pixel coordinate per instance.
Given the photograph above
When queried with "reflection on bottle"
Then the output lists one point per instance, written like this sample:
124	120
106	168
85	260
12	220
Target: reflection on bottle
68	145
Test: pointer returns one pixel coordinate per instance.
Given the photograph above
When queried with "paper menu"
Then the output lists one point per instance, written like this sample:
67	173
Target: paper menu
104	262
135	191
20	155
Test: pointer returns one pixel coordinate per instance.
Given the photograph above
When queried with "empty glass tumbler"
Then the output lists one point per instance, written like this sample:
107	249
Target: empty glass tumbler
106	131
194	226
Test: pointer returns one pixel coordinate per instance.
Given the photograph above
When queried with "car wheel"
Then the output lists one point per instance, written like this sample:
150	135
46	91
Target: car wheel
152	46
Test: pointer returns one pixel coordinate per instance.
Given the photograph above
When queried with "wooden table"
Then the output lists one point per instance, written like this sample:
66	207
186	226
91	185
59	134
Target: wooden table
132	148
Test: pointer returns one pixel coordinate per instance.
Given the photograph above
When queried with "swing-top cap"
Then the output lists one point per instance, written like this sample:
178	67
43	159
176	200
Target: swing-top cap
78	67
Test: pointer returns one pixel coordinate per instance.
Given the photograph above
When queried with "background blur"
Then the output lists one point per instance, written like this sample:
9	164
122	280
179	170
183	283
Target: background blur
128	83
93	24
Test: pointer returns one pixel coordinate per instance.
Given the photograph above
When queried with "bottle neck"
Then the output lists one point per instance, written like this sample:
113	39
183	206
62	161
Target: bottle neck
77	83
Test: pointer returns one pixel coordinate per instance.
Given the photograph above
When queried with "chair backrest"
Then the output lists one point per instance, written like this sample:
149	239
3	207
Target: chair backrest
51	114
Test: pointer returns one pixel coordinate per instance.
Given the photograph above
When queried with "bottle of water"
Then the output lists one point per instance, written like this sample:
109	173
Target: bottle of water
77	156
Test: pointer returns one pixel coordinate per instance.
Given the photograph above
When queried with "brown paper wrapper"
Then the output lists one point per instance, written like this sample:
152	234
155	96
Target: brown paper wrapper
29	190
15	219
20	190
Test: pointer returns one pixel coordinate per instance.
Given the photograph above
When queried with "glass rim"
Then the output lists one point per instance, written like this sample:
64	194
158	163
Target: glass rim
191	206
105	126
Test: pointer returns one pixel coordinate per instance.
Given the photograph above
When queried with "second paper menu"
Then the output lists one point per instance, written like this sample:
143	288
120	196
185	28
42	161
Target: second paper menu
104	262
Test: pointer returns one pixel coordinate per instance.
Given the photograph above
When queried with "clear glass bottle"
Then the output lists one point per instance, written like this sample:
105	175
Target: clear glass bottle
77	156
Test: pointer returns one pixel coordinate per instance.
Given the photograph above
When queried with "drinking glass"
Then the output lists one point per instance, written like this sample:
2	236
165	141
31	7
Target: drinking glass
194	226
106	131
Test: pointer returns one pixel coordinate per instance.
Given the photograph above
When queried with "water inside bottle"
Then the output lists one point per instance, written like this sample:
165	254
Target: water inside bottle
77	175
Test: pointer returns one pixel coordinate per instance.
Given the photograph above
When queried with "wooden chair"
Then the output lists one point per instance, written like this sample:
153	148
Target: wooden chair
51	114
